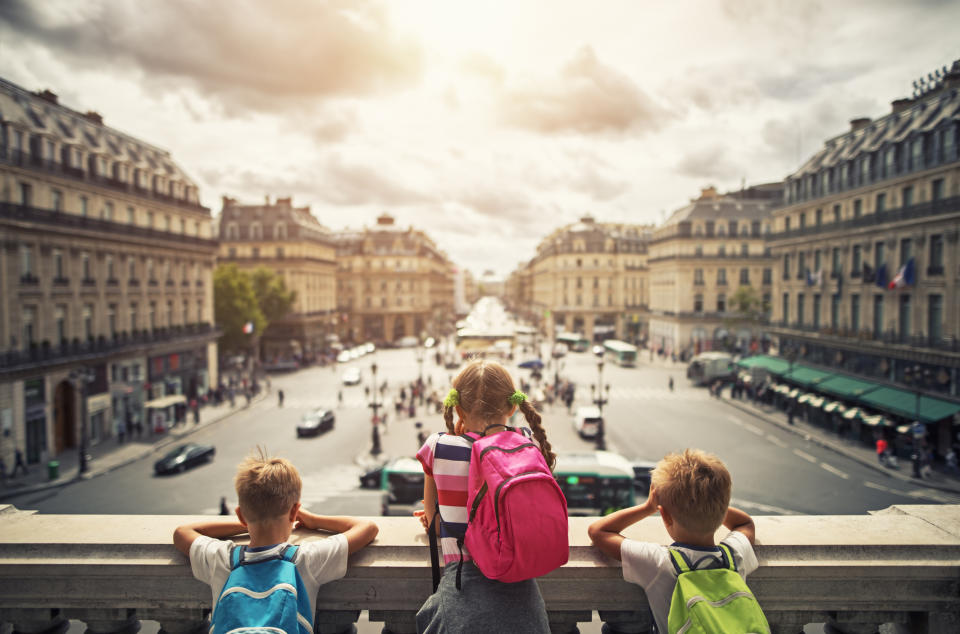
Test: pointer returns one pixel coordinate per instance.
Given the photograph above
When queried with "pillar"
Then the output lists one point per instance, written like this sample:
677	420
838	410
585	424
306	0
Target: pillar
568	322
588	323
408	329
388	325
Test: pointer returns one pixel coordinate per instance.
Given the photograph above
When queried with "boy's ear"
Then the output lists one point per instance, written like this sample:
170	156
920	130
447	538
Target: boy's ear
240	516
665	514
292	515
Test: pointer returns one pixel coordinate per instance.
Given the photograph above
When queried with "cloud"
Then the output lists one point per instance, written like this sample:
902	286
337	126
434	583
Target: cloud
246	53
343	183
482	66
712	161
587	97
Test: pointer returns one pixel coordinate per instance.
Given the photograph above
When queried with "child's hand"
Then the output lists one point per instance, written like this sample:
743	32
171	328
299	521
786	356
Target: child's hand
652	501
422	516
304	519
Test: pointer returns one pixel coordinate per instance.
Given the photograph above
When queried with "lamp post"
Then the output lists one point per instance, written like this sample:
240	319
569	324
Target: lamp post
374	405
600	401
420	354
81	377
916	378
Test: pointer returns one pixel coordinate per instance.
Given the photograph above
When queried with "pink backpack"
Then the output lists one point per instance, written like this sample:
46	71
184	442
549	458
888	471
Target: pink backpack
518	516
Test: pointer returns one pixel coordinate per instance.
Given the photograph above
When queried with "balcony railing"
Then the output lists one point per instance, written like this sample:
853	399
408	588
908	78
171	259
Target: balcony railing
855	573
22	159
45	354
73	221
938	343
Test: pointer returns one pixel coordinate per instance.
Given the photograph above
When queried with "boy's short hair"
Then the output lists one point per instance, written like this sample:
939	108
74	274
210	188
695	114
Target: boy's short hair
267	488
694	487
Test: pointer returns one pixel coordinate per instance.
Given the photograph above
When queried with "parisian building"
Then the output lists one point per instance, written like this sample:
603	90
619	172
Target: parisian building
105	277
588	278
699	259
392	283
291	242
868	270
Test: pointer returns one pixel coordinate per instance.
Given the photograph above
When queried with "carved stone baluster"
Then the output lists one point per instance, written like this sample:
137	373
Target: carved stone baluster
934	622
190	621
35	620
565	622
396	621
335	621
106	621
617	622
792	622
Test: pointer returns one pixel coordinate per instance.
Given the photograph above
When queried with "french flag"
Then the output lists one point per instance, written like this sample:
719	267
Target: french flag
248	328
905	276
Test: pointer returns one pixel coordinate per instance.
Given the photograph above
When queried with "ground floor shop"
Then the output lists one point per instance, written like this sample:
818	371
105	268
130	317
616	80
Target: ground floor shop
688	337
597	326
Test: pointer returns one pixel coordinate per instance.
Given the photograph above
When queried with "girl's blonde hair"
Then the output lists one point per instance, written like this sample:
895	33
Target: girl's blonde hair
694	487
267	488
484	389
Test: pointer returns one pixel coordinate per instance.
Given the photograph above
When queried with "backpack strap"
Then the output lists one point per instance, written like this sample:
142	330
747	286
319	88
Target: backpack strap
236	556
727	555
434	556
680	562
492	425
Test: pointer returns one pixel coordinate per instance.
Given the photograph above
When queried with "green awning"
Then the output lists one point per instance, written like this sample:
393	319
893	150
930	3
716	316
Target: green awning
807	376
773	365
853	413
845	387
834	406
816	401
904	403
874	421
804	398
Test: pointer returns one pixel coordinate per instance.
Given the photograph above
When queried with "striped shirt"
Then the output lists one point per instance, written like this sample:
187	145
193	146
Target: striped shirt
446	458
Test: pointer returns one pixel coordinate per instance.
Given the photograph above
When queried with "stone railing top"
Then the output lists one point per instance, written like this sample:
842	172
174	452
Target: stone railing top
905	558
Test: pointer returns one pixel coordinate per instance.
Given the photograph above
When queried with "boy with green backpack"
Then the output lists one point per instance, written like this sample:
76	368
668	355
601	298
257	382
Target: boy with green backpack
693	585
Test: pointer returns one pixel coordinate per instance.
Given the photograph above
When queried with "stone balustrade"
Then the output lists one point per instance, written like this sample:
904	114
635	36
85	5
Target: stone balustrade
899	566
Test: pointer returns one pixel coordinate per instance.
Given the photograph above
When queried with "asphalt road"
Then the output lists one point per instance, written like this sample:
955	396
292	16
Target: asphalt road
774	472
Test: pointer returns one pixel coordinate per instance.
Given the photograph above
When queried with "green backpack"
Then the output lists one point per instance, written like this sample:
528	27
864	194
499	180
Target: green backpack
713	600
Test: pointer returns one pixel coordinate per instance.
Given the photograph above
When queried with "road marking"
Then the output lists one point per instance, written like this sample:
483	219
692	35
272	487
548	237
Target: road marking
753	429
834	470
776	441
763	508
733	419
805	456
878	487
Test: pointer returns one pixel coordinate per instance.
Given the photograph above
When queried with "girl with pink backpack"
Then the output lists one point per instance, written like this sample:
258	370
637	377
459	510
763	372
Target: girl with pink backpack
499	514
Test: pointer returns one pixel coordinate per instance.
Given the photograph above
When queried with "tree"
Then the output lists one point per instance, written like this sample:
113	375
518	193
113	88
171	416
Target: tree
235	305
747	305
272	294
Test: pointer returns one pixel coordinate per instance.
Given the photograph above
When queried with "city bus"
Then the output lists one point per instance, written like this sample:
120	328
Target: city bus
575	342
707	367
620	352
594	483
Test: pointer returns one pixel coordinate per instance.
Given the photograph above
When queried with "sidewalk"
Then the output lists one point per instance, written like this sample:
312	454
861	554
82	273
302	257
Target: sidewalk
108	454
854	450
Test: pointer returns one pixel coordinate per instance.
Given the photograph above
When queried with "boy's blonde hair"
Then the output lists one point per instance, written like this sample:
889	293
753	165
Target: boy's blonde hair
694	487
267	488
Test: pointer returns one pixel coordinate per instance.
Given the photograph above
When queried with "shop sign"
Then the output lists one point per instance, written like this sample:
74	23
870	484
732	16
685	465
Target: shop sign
98	403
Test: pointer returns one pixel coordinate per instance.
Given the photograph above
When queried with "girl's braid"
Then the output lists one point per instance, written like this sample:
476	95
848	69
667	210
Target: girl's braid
448	418
533	419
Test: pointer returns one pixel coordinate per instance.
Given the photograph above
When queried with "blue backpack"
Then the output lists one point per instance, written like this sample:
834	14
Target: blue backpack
263	595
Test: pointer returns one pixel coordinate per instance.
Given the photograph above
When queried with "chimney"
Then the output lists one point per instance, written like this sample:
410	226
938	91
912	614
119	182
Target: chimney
47	95
385	220
951	79
587	220
285	202
94	117
708	193
900	105
266	199
228	202
859	124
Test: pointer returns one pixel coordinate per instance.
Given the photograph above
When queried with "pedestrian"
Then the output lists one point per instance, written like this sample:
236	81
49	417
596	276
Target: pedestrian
3	471
926	463
19	464
915	460
951	460
670	383
882	450
790	413
120	432
366	390
340	397
279	398
223	506
421	435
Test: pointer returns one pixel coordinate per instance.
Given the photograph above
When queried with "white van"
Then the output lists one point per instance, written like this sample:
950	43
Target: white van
588	421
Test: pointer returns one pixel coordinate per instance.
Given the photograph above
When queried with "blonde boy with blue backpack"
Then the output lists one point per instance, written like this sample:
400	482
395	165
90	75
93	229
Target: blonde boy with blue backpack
269	584
693	585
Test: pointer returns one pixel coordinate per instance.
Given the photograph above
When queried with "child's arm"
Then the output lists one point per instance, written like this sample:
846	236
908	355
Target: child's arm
605	532
429	503
358	532
737	520
184	536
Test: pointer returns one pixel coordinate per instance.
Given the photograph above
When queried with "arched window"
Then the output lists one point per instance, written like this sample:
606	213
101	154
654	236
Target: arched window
256	231
233	232
280	231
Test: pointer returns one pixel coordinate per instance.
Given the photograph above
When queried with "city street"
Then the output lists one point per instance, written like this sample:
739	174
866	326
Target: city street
774	471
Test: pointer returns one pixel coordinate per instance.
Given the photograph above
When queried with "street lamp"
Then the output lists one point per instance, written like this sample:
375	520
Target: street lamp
600	401
80	378
917	378
375	440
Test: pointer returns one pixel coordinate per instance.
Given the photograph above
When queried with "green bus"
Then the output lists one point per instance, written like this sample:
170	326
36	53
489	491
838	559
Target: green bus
594	483
574	341
620	352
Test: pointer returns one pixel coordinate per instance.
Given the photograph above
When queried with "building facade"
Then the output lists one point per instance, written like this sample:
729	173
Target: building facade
590	278
106	280
701	262
292	243
868	274
392	283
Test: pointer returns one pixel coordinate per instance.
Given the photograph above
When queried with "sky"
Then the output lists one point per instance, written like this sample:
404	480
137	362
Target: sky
486	124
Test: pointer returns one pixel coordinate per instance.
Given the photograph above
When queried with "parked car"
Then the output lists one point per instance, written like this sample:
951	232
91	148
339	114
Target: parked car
587	421
184	457
351	376
344	356
531	364
369	347
315	422
408	342
370	479
560	350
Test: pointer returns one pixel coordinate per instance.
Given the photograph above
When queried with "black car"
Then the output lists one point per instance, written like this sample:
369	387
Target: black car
315	422
184	457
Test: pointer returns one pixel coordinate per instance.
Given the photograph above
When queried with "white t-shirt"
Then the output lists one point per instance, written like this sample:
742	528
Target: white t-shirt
651	567
318	561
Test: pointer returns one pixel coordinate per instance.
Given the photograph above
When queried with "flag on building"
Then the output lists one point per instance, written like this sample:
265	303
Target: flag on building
905	276
882	275
248	328
814	279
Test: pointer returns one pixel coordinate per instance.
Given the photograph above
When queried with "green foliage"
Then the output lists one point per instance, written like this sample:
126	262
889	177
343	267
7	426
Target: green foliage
235	304
273	296
747	304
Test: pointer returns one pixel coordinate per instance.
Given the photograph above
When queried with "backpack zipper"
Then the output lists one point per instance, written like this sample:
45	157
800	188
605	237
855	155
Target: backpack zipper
513	450
496	496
